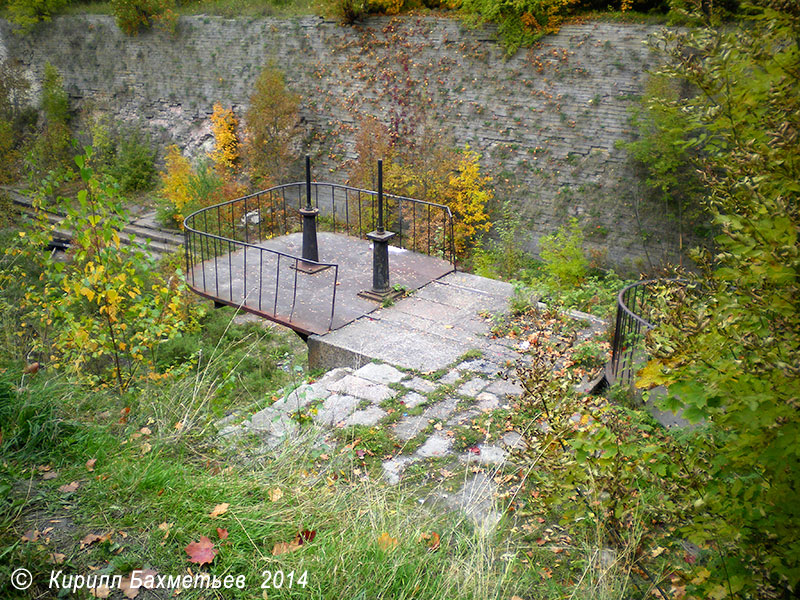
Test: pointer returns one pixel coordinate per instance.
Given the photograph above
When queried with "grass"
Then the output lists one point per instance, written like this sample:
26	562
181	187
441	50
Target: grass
174	479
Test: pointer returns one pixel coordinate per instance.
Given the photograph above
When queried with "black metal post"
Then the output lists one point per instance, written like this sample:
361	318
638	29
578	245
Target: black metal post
310	249
380	253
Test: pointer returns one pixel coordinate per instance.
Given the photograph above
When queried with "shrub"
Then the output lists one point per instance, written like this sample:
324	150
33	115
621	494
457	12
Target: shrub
102	315
226	141
562	253
175	191
467	194
134	15
134	163
26	13
272	121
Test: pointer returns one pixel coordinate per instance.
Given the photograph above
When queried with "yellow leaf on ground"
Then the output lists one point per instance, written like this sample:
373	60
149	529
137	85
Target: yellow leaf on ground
275	494
387	542
219	509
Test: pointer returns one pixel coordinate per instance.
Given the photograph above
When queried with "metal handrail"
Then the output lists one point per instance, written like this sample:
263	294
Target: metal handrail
215	231
630	330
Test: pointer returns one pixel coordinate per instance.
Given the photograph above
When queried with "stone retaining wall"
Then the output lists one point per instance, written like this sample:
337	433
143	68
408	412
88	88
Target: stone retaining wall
547	121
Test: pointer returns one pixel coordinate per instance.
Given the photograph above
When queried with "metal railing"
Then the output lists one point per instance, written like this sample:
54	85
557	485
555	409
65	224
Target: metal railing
635	317
222	241
421	226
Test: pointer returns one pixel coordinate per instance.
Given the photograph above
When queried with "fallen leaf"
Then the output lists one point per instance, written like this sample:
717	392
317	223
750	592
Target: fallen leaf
284	547
49	475
219	509
68	488
165	528
56	558
146	447
222	533
46	530
307	536
90	464
145	431
275	494
657	551
178	426
101	591
32	535
202	552
145	573
438	427
515	598
431	539
127	589
31	369
387	542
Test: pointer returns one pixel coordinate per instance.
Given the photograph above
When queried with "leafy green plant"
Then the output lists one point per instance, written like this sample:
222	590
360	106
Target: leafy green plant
102	315
27	13
272	120
134	15
727	355
563	257
134	161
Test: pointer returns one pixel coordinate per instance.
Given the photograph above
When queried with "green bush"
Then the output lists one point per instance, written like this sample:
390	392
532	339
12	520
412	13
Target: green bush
26	13
562	253
134	15
134	164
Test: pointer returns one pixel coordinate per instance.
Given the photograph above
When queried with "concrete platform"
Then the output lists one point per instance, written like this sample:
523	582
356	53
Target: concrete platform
426	331
247	278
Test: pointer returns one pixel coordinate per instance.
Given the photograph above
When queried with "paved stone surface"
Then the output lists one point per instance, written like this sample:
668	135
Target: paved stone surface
478	365
504	387
413	399
352	395
362	388
369	416
393	468
513	441
335	409
487	455
435	446
450	377
464	417
380	373
487	402
409	427
442	409
472	387
418	384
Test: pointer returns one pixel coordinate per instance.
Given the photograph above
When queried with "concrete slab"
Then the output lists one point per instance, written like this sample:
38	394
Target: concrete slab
262	278
472	387
413	399
409	427
369	416
435	446
418	384
335	409
362	388
440	322
380	373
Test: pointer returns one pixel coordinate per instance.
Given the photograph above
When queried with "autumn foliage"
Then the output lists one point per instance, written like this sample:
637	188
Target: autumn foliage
226	142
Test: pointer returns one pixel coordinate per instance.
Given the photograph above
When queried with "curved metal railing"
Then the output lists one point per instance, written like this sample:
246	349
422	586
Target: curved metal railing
223	241
635	318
